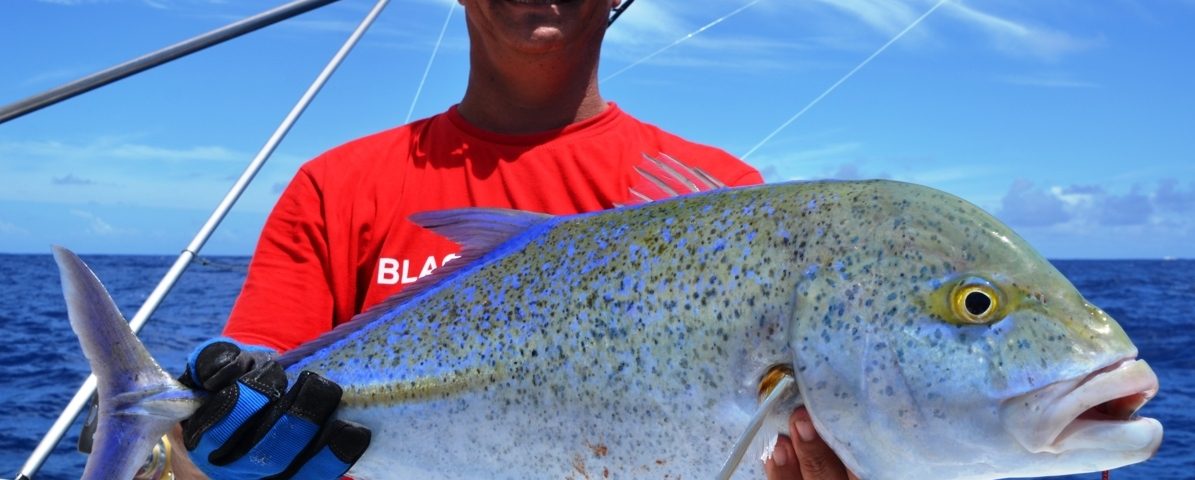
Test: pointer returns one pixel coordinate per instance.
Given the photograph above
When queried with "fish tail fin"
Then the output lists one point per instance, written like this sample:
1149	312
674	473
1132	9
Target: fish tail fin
138	401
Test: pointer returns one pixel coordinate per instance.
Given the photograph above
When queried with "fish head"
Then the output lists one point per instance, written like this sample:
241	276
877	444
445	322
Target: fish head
931	341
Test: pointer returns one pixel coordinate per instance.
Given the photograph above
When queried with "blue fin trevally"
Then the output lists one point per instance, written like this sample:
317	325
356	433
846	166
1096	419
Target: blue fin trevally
926	338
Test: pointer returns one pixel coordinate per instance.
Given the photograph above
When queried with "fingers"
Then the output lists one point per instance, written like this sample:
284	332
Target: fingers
783	464
339	444
252	429
280	436
180	463
805	456
217	363
337	449
224	412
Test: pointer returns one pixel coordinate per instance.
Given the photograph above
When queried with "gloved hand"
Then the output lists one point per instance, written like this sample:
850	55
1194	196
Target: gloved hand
252	427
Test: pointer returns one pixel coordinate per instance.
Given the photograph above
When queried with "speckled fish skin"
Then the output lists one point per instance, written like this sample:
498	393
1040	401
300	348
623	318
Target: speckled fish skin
629	344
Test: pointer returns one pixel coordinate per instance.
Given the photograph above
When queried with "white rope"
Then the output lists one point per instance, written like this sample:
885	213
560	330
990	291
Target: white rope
430	61
844	78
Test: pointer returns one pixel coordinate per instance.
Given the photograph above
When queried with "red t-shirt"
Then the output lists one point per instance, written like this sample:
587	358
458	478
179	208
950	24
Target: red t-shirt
339	241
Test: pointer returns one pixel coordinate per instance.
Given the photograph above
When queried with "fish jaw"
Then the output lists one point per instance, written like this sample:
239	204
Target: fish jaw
1088	423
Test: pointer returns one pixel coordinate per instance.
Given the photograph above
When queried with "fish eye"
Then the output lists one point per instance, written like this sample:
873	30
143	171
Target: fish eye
975	301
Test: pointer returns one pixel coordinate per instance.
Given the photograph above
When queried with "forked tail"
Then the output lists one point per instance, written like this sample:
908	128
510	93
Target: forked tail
138	401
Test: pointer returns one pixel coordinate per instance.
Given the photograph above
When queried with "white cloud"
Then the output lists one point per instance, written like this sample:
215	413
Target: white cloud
113	149
1010	36
96	225
670	33
816	162
1082	208
658	34
647	24
888	16
1028	205
949	174
71	179
1019	37
12	229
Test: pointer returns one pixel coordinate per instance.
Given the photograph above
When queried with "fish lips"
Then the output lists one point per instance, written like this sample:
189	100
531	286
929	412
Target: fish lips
1094	413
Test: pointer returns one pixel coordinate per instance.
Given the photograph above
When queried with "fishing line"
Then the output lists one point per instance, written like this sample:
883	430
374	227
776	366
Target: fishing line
766	407
844	78
428	69
680	40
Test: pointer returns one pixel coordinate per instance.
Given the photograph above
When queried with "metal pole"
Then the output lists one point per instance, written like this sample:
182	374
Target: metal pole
81	397
145	62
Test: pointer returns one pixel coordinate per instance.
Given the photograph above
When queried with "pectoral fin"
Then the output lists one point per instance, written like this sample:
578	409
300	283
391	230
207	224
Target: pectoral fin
778	397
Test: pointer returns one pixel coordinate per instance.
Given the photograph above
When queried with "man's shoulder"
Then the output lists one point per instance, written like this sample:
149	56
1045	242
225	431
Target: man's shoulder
364	154
671	141
369	146
710	159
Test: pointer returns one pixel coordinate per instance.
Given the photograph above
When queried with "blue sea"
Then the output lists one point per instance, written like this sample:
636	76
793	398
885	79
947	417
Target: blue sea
41	366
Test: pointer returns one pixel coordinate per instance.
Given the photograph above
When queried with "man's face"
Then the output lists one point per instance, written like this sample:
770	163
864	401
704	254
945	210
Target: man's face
537	26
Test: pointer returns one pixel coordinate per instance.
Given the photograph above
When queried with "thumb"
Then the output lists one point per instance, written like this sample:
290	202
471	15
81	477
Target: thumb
815	458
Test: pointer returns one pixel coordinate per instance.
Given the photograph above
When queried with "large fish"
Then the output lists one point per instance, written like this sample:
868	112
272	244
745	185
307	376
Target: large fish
927	340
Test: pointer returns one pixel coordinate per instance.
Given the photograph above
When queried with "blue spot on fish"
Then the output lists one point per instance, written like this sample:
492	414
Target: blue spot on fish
811	272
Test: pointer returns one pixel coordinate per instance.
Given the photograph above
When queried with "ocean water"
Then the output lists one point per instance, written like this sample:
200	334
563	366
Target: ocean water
41	366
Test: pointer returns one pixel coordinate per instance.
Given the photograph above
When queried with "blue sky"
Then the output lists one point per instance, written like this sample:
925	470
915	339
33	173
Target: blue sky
1073	120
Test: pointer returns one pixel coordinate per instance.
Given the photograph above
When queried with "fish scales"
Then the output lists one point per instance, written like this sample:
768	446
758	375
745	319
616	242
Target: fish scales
928	341
613	331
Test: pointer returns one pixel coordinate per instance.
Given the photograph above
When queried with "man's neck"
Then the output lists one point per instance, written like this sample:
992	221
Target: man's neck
528	95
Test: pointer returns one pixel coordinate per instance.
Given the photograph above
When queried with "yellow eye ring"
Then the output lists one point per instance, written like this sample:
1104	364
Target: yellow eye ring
975	302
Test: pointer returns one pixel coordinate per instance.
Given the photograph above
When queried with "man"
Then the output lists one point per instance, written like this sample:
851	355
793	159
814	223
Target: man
532	132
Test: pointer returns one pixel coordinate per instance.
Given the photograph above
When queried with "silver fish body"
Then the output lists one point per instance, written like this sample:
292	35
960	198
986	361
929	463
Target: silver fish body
631	343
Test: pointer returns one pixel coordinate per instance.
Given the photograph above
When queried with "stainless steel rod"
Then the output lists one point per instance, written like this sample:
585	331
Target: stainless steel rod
56	432
148	61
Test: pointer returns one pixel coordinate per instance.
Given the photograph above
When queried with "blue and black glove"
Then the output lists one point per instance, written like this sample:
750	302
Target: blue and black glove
252	427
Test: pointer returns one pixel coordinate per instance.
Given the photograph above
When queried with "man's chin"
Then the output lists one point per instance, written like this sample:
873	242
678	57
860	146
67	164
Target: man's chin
539	2
543	40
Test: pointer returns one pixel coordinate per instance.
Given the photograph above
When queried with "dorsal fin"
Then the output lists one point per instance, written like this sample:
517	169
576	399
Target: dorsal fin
478	231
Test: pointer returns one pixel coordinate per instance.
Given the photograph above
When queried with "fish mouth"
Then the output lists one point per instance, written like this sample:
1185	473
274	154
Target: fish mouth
1104	406
1095	412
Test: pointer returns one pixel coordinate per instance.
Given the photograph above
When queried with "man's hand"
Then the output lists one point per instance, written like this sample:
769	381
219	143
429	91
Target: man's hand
805	457
250	426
